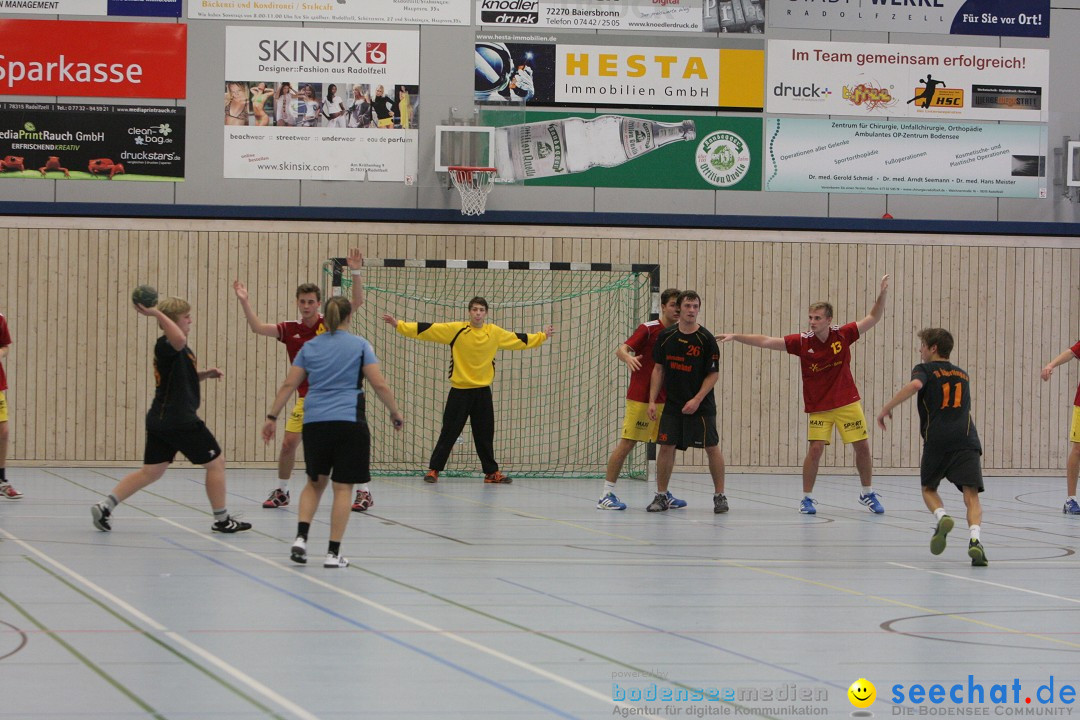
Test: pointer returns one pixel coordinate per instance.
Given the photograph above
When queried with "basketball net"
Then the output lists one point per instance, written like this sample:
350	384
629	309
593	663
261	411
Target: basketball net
473	184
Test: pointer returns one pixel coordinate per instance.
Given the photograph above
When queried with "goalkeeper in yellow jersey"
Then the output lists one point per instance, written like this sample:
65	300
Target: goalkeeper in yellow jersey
473	345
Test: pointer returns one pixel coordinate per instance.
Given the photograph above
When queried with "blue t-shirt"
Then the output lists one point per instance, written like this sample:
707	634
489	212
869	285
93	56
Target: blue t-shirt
334	363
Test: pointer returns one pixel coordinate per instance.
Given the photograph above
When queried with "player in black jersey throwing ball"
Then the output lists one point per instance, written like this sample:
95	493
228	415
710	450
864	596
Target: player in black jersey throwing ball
951	447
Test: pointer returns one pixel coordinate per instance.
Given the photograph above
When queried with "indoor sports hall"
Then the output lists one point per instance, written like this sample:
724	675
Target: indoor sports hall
914	167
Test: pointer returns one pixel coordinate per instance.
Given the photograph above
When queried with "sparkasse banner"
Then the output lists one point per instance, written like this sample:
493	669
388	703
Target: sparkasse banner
929	82
1014	18
84	59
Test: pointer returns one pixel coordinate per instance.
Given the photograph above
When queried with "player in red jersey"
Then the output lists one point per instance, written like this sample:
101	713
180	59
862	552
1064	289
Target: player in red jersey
829	393
636	352
6	490
1072	464
293	334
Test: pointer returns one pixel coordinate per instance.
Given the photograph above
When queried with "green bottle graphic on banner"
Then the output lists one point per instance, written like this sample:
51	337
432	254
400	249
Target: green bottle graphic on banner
573	145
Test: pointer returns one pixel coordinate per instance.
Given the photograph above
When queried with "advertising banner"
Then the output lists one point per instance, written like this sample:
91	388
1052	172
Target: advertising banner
1014	18
120	8
729	16
407	12
559	71
905	158
627	151
93	59
928	82
91	142
321	104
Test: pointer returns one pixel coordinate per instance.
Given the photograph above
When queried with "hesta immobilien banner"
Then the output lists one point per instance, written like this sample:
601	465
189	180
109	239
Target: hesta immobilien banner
93	59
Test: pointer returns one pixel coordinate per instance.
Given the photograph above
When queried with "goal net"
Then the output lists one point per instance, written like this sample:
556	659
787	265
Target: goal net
558	408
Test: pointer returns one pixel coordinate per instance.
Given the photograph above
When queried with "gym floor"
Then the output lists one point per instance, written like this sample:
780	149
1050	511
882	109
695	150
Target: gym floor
524	601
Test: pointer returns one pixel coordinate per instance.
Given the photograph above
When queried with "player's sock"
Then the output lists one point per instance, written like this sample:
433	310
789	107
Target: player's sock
975	532
808	496
221	515
110	502
334	548
302	529
284	485
867	490
609	488
940	513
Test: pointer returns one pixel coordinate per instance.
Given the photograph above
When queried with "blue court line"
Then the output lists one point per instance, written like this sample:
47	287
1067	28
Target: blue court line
386	636
698	641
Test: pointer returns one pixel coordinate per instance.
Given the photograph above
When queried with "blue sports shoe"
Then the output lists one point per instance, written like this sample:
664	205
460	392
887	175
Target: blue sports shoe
806	506
610	502
871	501
1071	507
674	502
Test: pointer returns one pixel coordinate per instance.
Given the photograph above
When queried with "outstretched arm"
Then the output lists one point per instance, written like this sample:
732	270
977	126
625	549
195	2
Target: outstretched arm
257	326
761	341
901	395
293	379
356	268
1061	359
878	310
524	341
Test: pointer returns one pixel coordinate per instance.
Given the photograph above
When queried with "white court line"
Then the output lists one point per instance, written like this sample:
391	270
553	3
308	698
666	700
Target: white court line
214	660
987	582
565	682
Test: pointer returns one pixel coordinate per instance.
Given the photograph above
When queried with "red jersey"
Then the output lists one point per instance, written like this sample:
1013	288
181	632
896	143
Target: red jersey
294	334
1075	351
641	342
826	367
5	340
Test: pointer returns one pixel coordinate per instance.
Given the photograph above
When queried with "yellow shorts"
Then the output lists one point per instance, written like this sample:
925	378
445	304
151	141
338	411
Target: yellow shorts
637	425
4	417
1074	432
849	420
295	423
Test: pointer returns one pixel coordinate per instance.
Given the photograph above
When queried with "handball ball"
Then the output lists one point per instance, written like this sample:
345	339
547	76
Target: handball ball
144	295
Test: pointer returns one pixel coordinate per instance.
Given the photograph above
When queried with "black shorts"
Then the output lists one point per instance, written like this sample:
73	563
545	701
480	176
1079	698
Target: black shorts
342	447
963	468
686	431
194	440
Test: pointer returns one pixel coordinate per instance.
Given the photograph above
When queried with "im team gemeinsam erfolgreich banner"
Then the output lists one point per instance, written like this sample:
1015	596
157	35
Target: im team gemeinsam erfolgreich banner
587	70
404	12
96	59
928	82
115	8
102	143
687	151
1011	18
730	16
320	104
905	157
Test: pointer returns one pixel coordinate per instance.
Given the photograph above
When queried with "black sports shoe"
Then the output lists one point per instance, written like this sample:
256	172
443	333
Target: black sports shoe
977	553
659	503
719	503
101	514
230	525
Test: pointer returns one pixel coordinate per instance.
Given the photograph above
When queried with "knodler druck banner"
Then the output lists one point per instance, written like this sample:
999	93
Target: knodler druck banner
425	12
560	71
729	16
905	157
119	8
626	151
101	143
93	59
320	104
927	82
1013	18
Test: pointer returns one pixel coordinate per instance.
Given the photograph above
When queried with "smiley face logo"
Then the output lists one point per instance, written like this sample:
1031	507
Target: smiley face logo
862	693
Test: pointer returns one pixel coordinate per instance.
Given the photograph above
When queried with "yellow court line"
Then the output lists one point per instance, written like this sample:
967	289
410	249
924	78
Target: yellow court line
900	603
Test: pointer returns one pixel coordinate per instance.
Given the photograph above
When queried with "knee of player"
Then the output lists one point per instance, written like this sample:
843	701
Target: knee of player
3	430
290	443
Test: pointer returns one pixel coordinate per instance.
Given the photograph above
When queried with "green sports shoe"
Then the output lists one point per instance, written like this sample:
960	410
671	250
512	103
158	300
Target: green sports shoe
937	543
977	553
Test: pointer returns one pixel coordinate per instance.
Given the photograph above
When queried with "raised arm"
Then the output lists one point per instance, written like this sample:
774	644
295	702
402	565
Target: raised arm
878	310
356	268
761	341
378	383
172	331
257	326
901	395
293	379
1061	359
